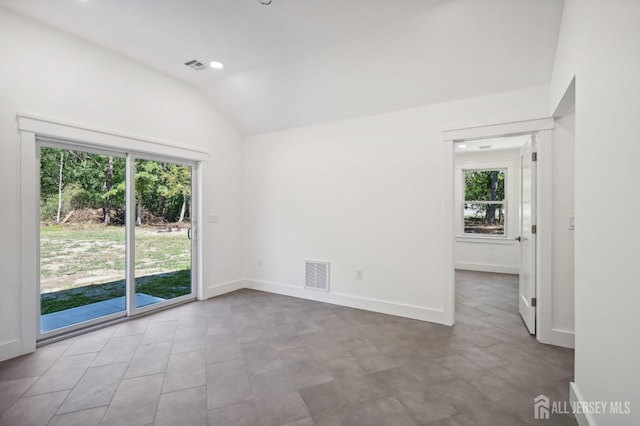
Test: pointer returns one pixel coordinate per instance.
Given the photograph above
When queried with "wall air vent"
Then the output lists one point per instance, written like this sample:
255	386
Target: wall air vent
196	65
317	275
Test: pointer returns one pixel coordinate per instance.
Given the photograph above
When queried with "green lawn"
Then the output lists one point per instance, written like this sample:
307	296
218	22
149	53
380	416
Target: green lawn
85	264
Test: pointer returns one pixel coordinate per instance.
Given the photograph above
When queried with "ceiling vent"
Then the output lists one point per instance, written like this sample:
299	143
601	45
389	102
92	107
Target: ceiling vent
317	275
196	65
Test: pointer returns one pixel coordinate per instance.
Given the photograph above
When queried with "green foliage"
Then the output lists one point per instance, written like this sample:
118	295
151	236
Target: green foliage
484	185
94	181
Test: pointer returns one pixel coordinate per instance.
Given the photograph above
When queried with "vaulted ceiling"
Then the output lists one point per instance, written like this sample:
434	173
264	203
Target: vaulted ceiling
299	62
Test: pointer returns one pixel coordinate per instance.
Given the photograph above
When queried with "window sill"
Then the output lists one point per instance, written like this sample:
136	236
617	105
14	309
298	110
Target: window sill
485	240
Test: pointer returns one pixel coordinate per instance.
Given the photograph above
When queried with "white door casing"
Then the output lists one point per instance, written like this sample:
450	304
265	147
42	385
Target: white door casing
31	127
543	129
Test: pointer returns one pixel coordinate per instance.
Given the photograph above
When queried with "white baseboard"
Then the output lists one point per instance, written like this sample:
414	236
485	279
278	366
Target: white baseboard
10	349
564	338
484	267
358	302
223	288
583	419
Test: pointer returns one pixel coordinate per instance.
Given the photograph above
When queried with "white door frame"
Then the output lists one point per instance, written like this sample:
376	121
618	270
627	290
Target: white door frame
131	234
543	129
83	137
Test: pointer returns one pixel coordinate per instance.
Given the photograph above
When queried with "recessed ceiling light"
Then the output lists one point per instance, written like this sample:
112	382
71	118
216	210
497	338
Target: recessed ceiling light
216	65
462	146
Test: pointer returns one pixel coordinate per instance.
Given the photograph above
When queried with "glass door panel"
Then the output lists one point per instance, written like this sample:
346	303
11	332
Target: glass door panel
82	237
163	246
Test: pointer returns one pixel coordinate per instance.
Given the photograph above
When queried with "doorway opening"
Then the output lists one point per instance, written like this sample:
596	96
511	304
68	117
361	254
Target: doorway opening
115	235
494	222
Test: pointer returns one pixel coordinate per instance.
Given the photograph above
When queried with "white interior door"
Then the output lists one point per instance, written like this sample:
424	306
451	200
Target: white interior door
527	236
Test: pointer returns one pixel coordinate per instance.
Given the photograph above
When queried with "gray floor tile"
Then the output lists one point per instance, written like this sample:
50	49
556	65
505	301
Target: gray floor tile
129	328
325	348
302	422
186	407
95	388
33	410
426	410
457	420
276	410
493	386
307	373
117	350
149	359
185	370
483	358
189	340
227	383
399	380
12	390
90	417
364	388
31	365
345	367
222	347
429	372
91	342
325	400
241	414
162	331
460	366
62	375
135	402
219	325
375	363
260	358
387	411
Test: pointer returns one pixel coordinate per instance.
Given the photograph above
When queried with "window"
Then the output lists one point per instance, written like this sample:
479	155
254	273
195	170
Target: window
484	207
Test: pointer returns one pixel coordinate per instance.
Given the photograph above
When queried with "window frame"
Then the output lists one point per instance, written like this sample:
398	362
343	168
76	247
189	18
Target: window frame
504	202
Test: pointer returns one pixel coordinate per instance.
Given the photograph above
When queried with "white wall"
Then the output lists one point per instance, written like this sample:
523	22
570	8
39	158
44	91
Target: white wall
500	255
364	193
563	238
599	45
51	74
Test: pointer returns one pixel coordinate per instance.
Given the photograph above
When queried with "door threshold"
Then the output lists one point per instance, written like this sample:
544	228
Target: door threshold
78	332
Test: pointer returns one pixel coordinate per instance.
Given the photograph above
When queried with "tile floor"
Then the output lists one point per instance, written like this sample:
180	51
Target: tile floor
253	358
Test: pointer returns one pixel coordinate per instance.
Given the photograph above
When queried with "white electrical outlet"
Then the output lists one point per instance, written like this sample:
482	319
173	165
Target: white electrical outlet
359	273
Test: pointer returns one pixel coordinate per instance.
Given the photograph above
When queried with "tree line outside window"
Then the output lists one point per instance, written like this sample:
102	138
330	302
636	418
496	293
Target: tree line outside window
484	205
75	180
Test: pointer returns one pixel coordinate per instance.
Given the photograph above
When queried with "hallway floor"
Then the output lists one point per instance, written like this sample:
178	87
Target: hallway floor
253	358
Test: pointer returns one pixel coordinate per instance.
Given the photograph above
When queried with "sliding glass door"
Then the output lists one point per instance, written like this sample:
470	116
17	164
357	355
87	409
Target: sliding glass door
82	237
163	237
115	235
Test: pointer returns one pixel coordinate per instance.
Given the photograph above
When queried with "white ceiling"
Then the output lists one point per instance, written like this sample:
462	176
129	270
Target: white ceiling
299	62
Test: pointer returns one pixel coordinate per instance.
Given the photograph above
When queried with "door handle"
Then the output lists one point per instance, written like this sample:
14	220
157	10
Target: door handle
189	233
518	239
